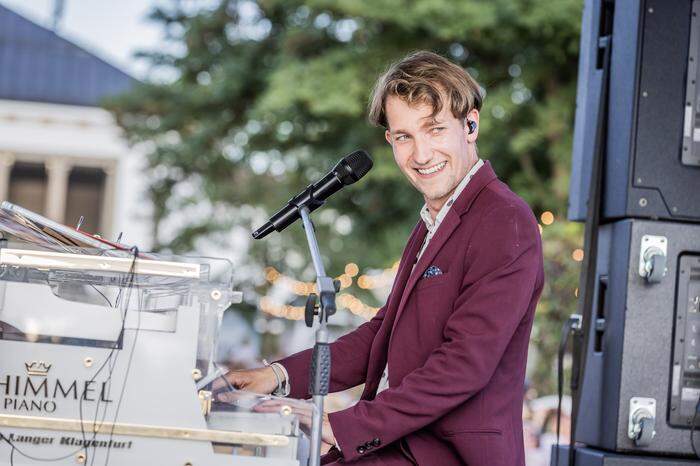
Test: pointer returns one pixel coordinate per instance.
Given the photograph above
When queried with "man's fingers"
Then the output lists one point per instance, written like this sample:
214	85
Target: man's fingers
218	384
272	404
266	408
292	403
304	413
237	379
297	406
303	410
304	418
233	378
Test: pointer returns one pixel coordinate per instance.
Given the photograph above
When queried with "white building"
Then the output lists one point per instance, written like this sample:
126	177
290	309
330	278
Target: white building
61	154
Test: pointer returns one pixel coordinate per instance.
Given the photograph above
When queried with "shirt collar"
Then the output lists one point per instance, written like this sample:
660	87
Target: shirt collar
425	213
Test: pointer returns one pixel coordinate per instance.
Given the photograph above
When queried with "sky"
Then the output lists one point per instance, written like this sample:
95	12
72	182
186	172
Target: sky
111	29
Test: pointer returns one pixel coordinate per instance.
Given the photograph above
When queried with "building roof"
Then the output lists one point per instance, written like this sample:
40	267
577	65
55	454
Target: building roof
38	65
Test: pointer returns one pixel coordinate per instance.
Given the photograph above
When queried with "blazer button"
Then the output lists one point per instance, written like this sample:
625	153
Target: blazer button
369	445
376	442
361	450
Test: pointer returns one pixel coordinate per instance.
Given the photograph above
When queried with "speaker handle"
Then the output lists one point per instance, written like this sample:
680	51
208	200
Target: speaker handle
599	322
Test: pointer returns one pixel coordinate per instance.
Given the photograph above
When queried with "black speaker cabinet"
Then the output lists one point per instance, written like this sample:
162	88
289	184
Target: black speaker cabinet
652	143
644	339
591	457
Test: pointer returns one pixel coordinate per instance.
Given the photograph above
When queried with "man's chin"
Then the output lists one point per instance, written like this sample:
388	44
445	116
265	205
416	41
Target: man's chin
436	195
432	193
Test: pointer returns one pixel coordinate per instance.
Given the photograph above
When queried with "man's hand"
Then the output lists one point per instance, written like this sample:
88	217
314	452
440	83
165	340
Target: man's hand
304	412
261	380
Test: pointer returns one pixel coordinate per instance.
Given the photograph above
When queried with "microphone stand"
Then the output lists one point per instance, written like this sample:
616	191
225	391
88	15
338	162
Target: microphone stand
321	359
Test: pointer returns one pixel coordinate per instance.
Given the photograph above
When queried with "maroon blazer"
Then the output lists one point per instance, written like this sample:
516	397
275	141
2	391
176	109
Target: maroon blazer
456	343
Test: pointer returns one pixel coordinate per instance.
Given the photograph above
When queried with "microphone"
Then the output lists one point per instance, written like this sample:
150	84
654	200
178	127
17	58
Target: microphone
350	169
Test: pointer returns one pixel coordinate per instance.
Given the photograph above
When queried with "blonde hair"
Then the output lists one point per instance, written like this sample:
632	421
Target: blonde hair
425	78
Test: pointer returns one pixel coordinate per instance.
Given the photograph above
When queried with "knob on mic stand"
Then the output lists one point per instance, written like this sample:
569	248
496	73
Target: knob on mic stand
311	307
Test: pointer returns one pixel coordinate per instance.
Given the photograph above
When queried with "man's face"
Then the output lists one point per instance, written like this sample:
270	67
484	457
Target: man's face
434	153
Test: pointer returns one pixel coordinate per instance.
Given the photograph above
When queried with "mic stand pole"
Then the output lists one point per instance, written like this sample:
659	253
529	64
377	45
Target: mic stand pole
321	359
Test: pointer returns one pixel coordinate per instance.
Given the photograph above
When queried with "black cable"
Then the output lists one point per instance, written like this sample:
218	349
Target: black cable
566	332
28	456
135	252
692	428
12	449
111	358
102	294
128	284
110	362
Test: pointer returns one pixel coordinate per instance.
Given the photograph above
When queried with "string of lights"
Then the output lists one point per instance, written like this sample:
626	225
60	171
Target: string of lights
345	300
365	281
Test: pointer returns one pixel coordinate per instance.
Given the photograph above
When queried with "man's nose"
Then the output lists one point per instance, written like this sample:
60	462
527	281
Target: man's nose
424	151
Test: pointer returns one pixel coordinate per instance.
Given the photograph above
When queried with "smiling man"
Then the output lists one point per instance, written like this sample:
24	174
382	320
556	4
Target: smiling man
443	362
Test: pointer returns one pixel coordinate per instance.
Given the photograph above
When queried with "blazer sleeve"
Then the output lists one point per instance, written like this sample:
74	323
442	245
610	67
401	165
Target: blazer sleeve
349	358
503	266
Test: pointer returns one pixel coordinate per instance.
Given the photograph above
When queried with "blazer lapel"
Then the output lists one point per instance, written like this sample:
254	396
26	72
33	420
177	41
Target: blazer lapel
407	260
447	227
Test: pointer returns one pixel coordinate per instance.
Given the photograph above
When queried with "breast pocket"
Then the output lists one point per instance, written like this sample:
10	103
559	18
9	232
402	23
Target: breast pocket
428	282
434	301
436	292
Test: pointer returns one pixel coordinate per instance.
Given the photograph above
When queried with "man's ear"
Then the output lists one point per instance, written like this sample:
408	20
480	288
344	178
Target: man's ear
387	136
472	116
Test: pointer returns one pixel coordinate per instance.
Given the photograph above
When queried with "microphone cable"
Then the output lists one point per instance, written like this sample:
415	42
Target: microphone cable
131	275
572	325
692	429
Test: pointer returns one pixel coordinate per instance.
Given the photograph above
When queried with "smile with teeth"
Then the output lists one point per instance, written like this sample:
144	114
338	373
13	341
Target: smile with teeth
431	170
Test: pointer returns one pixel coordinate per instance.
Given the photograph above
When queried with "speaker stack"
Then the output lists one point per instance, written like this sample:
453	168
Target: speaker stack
636	184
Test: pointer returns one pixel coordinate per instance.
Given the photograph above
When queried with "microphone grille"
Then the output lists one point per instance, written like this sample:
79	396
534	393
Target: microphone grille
360	163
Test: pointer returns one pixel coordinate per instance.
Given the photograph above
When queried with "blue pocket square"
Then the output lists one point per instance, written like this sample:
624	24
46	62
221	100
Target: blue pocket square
432	271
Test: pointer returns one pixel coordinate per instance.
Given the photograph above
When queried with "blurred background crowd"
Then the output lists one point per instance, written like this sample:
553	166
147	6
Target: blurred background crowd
183	124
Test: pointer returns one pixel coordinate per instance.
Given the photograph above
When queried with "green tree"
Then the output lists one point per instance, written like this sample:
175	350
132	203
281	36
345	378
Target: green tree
268	93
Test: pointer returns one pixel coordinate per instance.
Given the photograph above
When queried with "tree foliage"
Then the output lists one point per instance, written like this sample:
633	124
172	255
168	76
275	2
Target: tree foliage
268	94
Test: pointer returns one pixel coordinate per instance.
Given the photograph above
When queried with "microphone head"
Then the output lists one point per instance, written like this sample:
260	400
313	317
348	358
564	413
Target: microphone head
353	167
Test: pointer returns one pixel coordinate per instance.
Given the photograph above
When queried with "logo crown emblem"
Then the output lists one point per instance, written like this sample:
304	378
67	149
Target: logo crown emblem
39	368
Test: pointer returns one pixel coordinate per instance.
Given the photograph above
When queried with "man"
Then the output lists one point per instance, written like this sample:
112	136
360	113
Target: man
443	362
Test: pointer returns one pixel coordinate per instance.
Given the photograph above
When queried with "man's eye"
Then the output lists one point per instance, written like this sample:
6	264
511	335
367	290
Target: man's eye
437	129
401	137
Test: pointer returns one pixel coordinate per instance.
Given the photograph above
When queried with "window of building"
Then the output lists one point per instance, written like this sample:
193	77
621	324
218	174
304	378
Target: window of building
85	198
28	184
